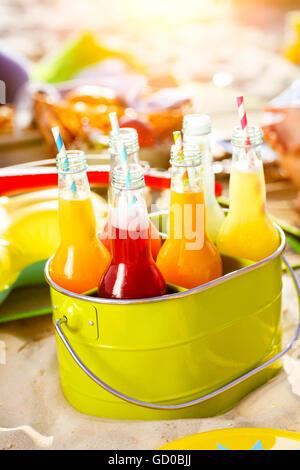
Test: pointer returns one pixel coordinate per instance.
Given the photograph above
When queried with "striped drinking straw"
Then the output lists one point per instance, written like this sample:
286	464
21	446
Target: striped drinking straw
179	146
60	145
62	153
244	123
116	130
243	118
123	155
242	112
177	139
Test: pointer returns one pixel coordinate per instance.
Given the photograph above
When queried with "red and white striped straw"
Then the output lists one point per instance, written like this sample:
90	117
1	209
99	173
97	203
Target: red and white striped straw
243	117
242	112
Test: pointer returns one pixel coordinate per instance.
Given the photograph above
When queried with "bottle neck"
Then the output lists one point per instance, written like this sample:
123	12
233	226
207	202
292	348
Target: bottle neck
72	177
73	186
129	227
187	207
115	159
127	137
247	158
185	179
76	215
203	141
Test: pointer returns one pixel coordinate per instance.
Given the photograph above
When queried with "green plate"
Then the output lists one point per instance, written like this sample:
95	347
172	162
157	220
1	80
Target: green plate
28	296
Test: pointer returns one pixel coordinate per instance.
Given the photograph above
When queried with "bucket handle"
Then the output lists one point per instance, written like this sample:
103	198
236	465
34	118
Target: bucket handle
179	406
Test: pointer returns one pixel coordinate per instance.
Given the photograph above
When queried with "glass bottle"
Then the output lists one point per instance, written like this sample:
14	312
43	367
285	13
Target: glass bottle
129	138
196	130
188	258
132	273
247	231
80	259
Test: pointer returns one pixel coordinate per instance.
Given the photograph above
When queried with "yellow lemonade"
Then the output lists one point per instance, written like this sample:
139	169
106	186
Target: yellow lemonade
247	231
214	220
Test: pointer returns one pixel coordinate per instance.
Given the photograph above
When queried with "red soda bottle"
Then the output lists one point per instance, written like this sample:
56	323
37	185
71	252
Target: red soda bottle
132	273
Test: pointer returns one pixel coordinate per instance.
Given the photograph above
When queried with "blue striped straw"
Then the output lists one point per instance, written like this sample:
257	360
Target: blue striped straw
123	156
62	153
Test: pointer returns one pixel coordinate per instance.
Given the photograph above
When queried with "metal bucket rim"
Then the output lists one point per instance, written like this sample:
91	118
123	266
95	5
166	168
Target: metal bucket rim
176	295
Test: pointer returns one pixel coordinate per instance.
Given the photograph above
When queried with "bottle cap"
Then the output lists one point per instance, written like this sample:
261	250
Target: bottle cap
130	177
196	124
251	138
74	163
128	137
188	155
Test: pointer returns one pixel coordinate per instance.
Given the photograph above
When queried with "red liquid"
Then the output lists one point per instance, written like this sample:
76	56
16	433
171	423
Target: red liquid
132	273
155	240
104	236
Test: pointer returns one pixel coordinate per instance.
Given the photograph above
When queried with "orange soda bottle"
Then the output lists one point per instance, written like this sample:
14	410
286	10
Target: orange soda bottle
188	258
129	137
80	259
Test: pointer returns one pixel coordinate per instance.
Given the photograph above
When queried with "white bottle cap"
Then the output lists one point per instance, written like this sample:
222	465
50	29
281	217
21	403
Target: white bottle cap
196	124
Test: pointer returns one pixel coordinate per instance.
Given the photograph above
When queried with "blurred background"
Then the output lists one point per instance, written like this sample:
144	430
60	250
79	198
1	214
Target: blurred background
70	62
206	51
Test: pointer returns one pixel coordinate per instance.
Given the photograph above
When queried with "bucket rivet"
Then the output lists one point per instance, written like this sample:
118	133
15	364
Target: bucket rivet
91	322
55	307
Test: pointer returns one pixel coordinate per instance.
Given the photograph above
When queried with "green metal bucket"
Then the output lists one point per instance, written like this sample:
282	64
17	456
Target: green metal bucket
188	354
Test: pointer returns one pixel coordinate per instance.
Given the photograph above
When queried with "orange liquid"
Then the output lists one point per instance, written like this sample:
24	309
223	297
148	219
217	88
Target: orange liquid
81	259
185	259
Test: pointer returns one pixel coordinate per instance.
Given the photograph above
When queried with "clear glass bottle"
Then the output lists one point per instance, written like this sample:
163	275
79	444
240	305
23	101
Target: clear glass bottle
132	273
129	138
247	231
196	130
80	259
188	258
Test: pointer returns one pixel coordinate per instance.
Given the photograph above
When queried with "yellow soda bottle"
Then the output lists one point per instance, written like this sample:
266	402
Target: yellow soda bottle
247	231
196	130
